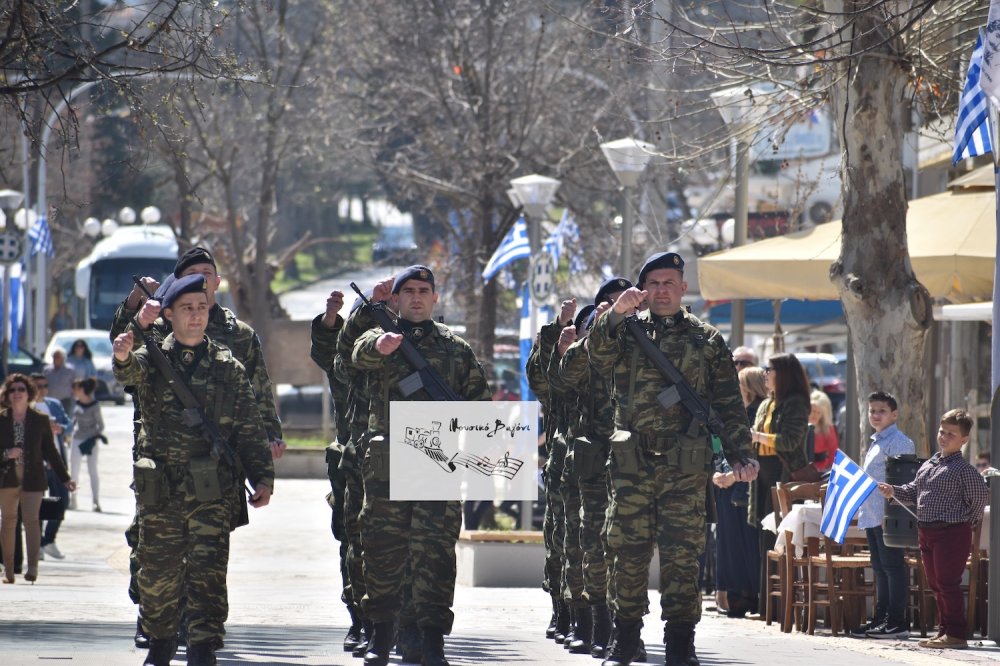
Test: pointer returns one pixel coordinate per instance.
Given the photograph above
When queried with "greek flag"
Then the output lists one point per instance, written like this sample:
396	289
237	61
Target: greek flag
849	488
566	236
515	245
41	239
990	75
972	129
527	336
16	307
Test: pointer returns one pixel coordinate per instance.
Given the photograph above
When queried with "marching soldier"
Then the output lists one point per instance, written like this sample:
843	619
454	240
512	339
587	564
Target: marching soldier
186	478
423	533
661	455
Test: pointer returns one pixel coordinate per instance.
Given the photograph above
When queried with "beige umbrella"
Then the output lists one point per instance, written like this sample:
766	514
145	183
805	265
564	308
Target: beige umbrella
951	238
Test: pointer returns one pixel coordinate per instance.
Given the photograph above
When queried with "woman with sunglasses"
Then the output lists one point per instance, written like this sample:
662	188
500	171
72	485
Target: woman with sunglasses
25	445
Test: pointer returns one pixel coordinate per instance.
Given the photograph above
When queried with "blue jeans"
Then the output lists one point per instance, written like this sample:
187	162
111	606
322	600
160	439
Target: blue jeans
56	489
890	580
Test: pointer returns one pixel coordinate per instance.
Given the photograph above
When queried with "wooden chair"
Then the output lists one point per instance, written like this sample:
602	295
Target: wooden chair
774	572
836	581
796	597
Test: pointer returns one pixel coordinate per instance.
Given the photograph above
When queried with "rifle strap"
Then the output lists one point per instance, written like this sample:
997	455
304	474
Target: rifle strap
633	373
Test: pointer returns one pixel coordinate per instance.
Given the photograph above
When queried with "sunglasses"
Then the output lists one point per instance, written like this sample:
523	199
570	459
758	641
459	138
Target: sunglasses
768	369
17	389
982	465
743	363
41	386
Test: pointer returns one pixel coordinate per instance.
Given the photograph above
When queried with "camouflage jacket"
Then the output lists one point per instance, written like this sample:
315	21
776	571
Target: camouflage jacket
323	352
220	385
359	398
699	353
448	354
590	390
224	329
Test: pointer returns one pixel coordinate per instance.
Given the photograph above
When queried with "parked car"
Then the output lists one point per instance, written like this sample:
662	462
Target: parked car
827	372
99	343
301	407
24	362
395	245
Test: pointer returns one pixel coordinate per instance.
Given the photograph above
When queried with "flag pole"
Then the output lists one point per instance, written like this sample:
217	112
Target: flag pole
905	508
993	619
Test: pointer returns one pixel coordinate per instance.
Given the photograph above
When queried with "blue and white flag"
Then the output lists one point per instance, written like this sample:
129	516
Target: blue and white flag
990	76
41	239
515	245
849	488
972	128
16	307
527	336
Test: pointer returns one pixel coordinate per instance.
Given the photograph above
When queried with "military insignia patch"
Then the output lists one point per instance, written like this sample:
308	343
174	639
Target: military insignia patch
187	356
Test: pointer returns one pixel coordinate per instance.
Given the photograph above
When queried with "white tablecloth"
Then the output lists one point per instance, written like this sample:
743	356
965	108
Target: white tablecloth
802	521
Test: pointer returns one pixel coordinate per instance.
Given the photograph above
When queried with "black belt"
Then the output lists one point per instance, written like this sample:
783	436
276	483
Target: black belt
936	525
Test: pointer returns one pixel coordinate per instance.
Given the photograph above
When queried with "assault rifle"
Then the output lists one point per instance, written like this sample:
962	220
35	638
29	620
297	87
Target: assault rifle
680	391
193	415
424	376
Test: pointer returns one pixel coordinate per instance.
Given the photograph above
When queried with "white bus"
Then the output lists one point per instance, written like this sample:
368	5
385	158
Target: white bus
104	277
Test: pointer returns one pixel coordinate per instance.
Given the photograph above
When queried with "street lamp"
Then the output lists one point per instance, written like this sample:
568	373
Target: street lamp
742	109
533	193
9	199
628	159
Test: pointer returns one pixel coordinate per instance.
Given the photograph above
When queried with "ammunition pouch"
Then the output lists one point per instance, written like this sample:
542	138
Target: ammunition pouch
693	454
376	466
150	480
590	458
349	464
624	453
204	475
557	461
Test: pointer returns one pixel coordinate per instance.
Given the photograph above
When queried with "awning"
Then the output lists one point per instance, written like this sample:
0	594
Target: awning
951	238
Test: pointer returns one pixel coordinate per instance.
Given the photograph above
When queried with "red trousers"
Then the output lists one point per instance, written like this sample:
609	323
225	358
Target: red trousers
945	551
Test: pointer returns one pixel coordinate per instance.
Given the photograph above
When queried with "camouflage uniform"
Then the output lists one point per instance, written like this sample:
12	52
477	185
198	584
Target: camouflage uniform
181	528
425	533
660	474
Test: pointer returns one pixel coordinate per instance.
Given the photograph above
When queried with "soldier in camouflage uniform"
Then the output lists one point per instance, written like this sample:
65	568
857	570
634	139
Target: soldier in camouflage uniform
554	521
224	329
185	491
660	458
425	533
590	449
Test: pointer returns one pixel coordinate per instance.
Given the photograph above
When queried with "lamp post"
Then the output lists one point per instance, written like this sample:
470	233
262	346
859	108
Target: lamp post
533	193
9	199
628	159
742	109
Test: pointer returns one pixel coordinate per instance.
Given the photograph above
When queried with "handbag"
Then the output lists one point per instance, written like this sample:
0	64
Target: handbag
52	508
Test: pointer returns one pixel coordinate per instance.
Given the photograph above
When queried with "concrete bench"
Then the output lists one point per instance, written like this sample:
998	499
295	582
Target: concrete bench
500	559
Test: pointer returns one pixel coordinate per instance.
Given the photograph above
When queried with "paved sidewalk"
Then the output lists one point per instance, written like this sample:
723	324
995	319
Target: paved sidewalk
285	604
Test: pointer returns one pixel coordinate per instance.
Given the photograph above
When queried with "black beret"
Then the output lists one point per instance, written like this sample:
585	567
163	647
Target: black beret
582	315
417	272
162	289
590	320
610	286
661	260
196	255
189	284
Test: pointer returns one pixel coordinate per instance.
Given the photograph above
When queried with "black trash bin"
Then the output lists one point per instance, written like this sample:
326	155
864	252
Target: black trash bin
899	528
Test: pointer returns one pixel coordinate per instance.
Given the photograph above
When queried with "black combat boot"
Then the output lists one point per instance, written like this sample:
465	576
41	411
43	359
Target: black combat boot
161	651
678	644
380	644
409	644
141	639
602	630
571	636
366	635
562	622
353	637
201	654
583	635
625	644
551	630
433	647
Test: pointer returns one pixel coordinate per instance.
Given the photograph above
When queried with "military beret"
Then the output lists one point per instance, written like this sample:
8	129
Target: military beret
162	289
582	315
590	320
661	260
417	272
189	284
196	255
610	286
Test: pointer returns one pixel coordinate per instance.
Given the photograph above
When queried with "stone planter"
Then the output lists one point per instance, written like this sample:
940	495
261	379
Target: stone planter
301	464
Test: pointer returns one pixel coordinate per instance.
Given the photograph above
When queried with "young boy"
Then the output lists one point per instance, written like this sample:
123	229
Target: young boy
950	497
891	587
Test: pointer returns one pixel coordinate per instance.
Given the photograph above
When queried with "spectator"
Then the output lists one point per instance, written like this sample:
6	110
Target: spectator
61	320
88	428
950	498
25	442
984	465
745	357
81	359
60	377
60	424
826	442
891	589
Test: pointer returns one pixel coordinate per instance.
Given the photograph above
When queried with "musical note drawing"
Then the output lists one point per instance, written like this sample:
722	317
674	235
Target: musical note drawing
428	440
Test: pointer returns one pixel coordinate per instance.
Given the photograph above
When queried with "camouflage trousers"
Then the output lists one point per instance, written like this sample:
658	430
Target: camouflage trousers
415	536
657	506
184	548
595	497
354	496
571	589
554	536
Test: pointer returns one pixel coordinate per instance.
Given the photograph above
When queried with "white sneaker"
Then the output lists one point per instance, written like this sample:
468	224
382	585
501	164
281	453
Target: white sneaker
53	551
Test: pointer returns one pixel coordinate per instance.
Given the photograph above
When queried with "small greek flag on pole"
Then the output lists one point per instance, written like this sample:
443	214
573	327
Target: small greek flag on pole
972	129
849	488
515	245
40	237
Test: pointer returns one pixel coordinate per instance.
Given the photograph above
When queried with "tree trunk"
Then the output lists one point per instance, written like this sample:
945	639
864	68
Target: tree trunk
888	311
